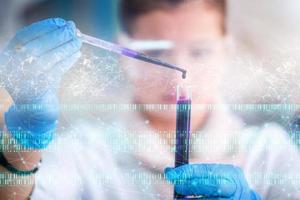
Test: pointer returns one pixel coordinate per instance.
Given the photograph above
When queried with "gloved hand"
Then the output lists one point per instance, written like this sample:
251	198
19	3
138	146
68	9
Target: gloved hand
213	181
31	67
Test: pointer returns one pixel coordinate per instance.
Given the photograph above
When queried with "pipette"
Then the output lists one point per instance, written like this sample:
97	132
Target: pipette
126	52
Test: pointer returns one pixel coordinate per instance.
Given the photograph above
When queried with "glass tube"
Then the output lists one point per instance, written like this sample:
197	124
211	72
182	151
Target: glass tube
183	120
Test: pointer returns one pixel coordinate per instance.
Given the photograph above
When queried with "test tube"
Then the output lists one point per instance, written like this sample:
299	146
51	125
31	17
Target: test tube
183	120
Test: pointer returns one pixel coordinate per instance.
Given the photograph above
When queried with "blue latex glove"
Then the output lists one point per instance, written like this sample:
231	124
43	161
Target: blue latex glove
31	68
213	181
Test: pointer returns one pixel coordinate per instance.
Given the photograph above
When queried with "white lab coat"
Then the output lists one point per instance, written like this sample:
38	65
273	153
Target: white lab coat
124	159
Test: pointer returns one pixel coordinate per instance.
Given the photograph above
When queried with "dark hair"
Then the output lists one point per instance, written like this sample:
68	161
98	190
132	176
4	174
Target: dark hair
131	9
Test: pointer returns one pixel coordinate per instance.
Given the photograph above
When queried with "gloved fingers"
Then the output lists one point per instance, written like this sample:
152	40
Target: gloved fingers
207	187
34	91
55	58
40	81
51	79
44	111
229	172
35	31
205	179
50	41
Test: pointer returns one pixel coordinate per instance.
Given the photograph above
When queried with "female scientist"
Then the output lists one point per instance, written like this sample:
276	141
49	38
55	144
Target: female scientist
131	157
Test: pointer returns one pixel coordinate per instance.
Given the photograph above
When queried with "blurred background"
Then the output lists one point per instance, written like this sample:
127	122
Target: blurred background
93	16
264	45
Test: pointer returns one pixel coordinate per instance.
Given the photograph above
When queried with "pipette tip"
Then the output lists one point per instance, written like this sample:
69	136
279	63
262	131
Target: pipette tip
183	75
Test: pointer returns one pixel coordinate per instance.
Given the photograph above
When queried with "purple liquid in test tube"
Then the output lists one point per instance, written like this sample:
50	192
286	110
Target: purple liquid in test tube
183	120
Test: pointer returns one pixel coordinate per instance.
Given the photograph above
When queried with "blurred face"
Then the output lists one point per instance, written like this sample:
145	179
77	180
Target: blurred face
195	29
